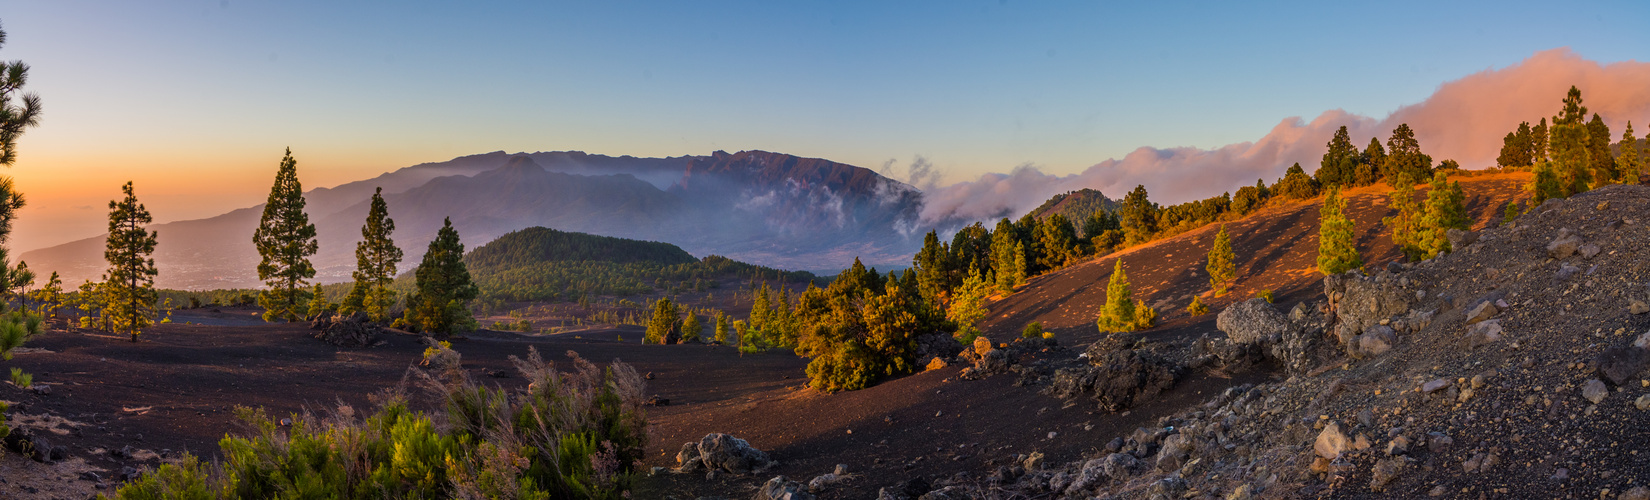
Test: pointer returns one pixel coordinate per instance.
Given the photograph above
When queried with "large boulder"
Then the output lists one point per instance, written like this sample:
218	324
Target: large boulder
1253	320
782	488
722	452
1360	302
354	330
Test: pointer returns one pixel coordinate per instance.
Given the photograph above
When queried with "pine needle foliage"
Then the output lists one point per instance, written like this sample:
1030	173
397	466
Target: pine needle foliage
375	259
130	282
1118	314
1337	240
1222	270
285	239
440	302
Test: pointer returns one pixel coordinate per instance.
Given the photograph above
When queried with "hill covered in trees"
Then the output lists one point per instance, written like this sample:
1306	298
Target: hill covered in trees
542	264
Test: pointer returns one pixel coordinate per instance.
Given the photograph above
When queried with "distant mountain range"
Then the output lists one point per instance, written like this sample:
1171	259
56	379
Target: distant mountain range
766	208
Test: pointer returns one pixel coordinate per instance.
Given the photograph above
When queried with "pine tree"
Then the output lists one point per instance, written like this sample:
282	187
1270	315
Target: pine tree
661	328
14	119
1545	185
1445	210
1628	161
318	304
1118	314
1337	238
130	288
1221	267
50	297
375	259
439	304
285	240
1598	147
1371	161
1538	142
1404	224
691	328
968	307
1018	269
1139	216
721	331
1571	154
933	264
1405	161
1340	160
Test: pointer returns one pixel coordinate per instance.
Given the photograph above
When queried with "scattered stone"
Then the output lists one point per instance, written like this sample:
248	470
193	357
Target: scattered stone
1588	250
982	345
937	363
1637	493
41	389
1458	239
1638	307
1594	390
1173	454
782	488
1332	441
1376	340
1438	441
1471	465
1366	418
1438	491
1435	385
1033	461
1564	246
1483	311
823	481
1642	403
1385	471
1398	446
1621	365
1566	271
1242	492
1484	332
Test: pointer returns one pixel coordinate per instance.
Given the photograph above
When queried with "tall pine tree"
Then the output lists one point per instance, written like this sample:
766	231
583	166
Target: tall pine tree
130	281
1221	268
1598	147
1405	223
375	259
1629	161
1337	238
1340	160
1118	313
285	240
440	304
1445	210
1404	161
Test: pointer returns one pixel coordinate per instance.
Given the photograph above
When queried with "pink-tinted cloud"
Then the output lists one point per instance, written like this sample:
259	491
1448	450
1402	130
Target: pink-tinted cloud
1463	120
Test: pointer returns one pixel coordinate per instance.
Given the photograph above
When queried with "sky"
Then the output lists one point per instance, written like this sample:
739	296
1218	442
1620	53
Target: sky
195	101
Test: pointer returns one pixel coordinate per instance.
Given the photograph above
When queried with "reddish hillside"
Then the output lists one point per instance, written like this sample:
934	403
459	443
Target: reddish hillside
1276	249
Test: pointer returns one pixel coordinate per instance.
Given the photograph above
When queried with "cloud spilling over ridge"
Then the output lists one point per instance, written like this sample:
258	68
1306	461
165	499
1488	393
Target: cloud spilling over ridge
1463	120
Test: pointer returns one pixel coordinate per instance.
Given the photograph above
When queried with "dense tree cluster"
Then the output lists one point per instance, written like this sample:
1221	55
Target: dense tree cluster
1573	155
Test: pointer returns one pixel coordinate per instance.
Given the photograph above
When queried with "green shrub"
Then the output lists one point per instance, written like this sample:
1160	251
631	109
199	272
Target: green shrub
20	379
1144	316
1033	330
575	434
1265	294
1197	308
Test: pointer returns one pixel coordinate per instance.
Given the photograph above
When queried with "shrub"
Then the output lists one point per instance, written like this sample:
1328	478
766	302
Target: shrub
20	379
1197	308
576	434
1265	294
1144	316
1048	335
1033	330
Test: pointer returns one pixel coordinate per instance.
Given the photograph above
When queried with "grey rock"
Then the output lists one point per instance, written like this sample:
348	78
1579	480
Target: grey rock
1398	446
1250	321
1458	239
1594	390
782	488
1638	307
1376	340
1332	442
1385	471
1484	332
1435	385
1636	493
1621	365
41	389
1564	246
1642	403
1438	441
1483	311
1174	452
1588	250
1565	271
727	453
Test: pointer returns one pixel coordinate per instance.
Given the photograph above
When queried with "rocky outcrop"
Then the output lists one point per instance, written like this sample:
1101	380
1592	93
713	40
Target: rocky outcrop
722	452
1360	302
354	330
1297	340
1253	320
1115	376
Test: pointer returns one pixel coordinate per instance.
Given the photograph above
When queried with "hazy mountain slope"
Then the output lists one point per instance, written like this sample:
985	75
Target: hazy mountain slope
765	208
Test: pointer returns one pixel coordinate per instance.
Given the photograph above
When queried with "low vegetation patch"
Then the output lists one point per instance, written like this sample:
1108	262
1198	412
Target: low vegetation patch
575	434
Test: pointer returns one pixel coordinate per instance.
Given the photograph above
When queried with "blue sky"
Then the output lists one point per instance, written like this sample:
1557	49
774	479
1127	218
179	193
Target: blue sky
177	95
